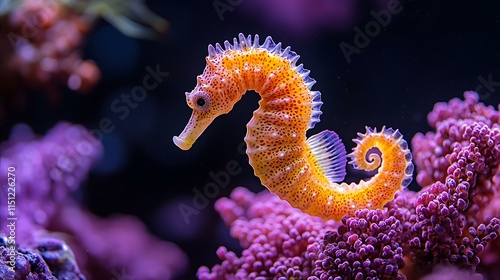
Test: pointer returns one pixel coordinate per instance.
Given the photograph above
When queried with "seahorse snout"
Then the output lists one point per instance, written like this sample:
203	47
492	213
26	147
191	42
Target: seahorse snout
182	143
194	128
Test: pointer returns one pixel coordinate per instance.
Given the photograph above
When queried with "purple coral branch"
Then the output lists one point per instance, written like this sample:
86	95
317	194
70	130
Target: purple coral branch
450	227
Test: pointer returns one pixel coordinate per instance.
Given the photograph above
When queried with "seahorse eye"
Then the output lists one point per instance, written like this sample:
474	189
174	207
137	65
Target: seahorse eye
201	100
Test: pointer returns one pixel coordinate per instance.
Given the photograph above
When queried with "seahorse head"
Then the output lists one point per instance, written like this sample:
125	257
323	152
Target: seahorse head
215	94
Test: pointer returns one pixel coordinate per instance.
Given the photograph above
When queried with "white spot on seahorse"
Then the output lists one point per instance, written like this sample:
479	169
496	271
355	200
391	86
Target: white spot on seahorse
282	154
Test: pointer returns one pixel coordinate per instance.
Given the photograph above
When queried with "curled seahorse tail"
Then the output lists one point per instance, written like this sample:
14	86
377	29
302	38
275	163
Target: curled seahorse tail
393	160
395	156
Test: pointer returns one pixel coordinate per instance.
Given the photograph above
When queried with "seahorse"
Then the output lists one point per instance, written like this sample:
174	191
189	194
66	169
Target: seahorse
306	172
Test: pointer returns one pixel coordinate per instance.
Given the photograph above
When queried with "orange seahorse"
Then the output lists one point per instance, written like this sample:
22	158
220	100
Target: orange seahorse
305	172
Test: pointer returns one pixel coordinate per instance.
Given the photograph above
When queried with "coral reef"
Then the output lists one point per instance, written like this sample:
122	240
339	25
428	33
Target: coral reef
368	245
430	149
48	170
278	240
452	222
48	259
460	210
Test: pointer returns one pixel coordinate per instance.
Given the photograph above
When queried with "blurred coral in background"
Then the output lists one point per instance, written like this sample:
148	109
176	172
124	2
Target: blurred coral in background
40	43
40	48
48	171
452	222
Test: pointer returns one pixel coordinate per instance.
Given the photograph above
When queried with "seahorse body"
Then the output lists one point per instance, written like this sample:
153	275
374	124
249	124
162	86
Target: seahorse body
305	172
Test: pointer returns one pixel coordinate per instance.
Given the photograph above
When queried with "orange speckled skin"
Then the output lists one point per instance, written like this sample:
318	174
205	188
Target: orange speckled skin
276	135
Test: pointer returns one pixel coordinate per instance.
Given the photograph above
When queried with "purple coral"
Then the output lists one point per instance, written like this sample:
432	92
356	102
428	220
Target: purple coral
367	246
429	150
49	259
47	170
279	241
119	244
451	226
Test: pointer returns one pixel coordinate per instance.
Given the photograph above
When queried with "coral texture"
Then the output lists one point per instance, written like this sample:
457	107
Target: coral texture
49	259
459	212
365	246
278	240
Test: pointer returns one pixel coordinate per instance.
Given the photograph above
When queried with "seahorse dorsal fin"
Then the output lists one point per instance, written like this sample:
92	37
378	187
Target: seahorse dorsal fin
330	154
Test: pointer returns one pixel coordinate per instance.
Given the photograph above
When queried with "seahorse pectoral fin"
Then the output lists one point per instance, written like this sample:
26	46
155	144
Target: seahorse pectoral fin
194	128
330	154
